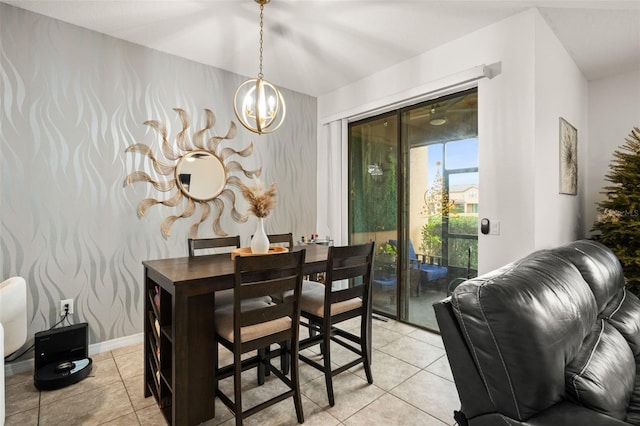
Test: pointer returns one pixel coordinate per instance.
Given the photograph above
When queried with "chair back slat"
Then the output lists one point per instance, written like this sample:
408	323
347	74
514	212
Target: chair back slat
344	272
273	312
261	288
281	239
194	244
347	293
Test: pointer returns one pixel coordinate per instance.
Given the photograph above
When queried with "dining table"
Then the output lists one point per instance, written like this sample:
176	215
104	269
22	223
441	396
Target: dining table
179	350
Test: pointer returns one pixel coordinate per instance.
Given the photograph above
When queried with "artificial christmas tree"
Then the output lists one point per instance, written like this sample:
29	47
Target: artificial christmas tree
618	223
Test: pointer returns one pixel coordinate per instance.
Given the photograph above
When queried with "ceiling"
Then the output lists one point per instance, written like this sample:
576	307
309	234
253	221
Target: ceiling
317	46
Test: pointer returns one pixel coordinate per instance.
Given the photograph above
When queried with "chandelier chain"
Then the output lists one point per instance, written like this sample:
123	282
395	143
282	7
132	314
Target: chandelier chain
260	75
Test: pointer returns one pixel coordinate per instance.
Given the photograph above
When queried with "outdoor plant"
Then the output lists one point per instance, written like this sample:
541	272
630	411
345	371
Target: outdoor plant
431	236
431	240
437	208
388	248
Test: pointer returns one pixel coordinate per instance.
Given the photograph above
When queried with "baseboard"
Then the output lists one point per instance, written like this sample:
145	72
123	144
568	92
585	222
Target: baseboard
18	367
120	342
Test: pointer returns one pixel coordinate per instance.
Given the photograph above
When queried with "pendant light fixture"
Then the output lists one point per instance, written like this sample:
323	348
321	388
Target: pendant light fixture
257	103
437	118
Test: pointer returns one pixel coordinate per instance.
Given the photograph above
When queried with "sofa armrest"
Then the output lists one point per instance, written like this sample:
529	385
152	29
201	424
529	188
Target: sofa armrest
473	395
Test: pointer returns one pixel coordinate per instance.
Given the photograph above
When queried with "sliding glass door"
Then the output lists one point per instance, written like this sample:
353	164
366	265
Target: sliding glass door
373	200
414	190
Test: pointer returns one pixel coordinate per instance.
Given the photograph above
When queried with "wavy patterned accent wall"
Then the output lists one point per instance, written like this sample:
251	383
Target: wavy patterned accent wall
72	100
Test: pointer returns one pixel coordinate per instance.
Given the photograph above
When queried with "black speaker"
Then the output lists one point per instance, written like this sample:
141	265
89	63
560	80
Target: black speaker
61	356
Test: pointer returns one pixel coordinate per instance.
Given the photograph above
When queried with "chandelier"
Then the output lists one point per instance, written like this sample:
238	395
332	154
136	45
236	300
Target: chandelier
257	103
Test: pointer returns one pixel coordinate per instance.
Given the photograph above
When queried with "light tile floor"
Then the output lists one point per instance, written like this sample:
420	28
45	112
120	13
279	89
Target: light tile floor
412	385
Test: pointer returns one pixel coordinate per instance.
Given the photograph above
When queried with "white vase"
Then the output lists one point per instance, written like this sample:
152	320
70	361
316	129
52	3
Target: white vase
259	241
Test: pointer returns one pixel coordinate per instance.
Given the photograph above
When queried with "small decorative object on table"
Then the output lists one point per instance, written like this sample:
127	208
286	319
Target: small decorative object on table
247	251
260	204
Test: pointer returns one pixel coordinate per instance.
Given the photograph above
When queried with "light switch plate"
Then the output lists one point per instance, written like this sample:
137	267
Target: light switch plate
495	227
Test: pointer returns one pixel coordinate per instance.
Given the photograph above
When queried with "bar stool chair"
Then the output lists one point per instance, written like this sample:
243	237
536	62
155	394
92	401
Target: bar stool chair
255	325
335	301
223	297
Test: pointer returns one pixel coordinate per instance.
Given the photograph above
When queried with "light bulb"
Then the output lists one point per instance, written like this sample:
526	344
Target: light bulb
249	104
272	105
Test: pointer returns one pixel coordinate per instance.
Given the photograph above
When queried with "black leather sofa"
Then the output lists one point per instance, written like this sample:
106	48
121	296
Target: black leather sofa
551	339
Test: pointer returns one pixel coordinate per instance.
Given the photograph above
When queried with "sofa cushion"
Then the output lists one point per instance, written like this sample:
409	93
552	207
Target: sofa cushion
601	376
522	323
599	267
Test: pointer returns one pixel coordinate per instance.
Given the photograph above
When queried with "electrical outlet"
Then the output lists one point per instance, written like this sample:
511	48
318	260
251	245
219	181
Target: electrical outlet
63	303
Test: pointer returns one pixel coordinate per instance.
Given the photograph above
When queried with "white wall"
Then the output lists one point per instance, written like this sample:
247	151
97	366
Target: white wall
614	110
560	91
512	137
506	137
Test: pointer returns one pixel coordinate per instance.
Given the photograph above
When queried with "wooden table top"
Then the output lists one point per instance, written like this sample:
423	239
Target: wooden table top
184	270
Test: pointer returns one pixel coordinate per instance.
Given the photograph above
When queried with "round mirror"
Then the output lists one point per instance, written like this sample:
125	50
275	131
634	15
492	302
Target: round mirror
201	175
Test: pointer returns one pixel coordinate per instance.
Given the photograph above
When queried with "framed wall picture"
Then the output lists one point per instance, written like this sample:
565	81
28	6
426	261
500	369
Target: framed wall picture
568	158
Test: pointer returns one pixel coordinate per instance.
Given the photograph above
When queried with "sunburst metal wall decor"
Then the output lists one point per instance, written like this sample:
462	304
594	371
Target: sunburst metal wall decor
200	172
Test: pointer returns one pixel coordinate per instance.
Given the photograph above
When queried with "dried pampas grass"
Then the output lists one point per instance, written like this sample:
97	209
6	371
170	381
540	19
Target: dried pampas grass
260	203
